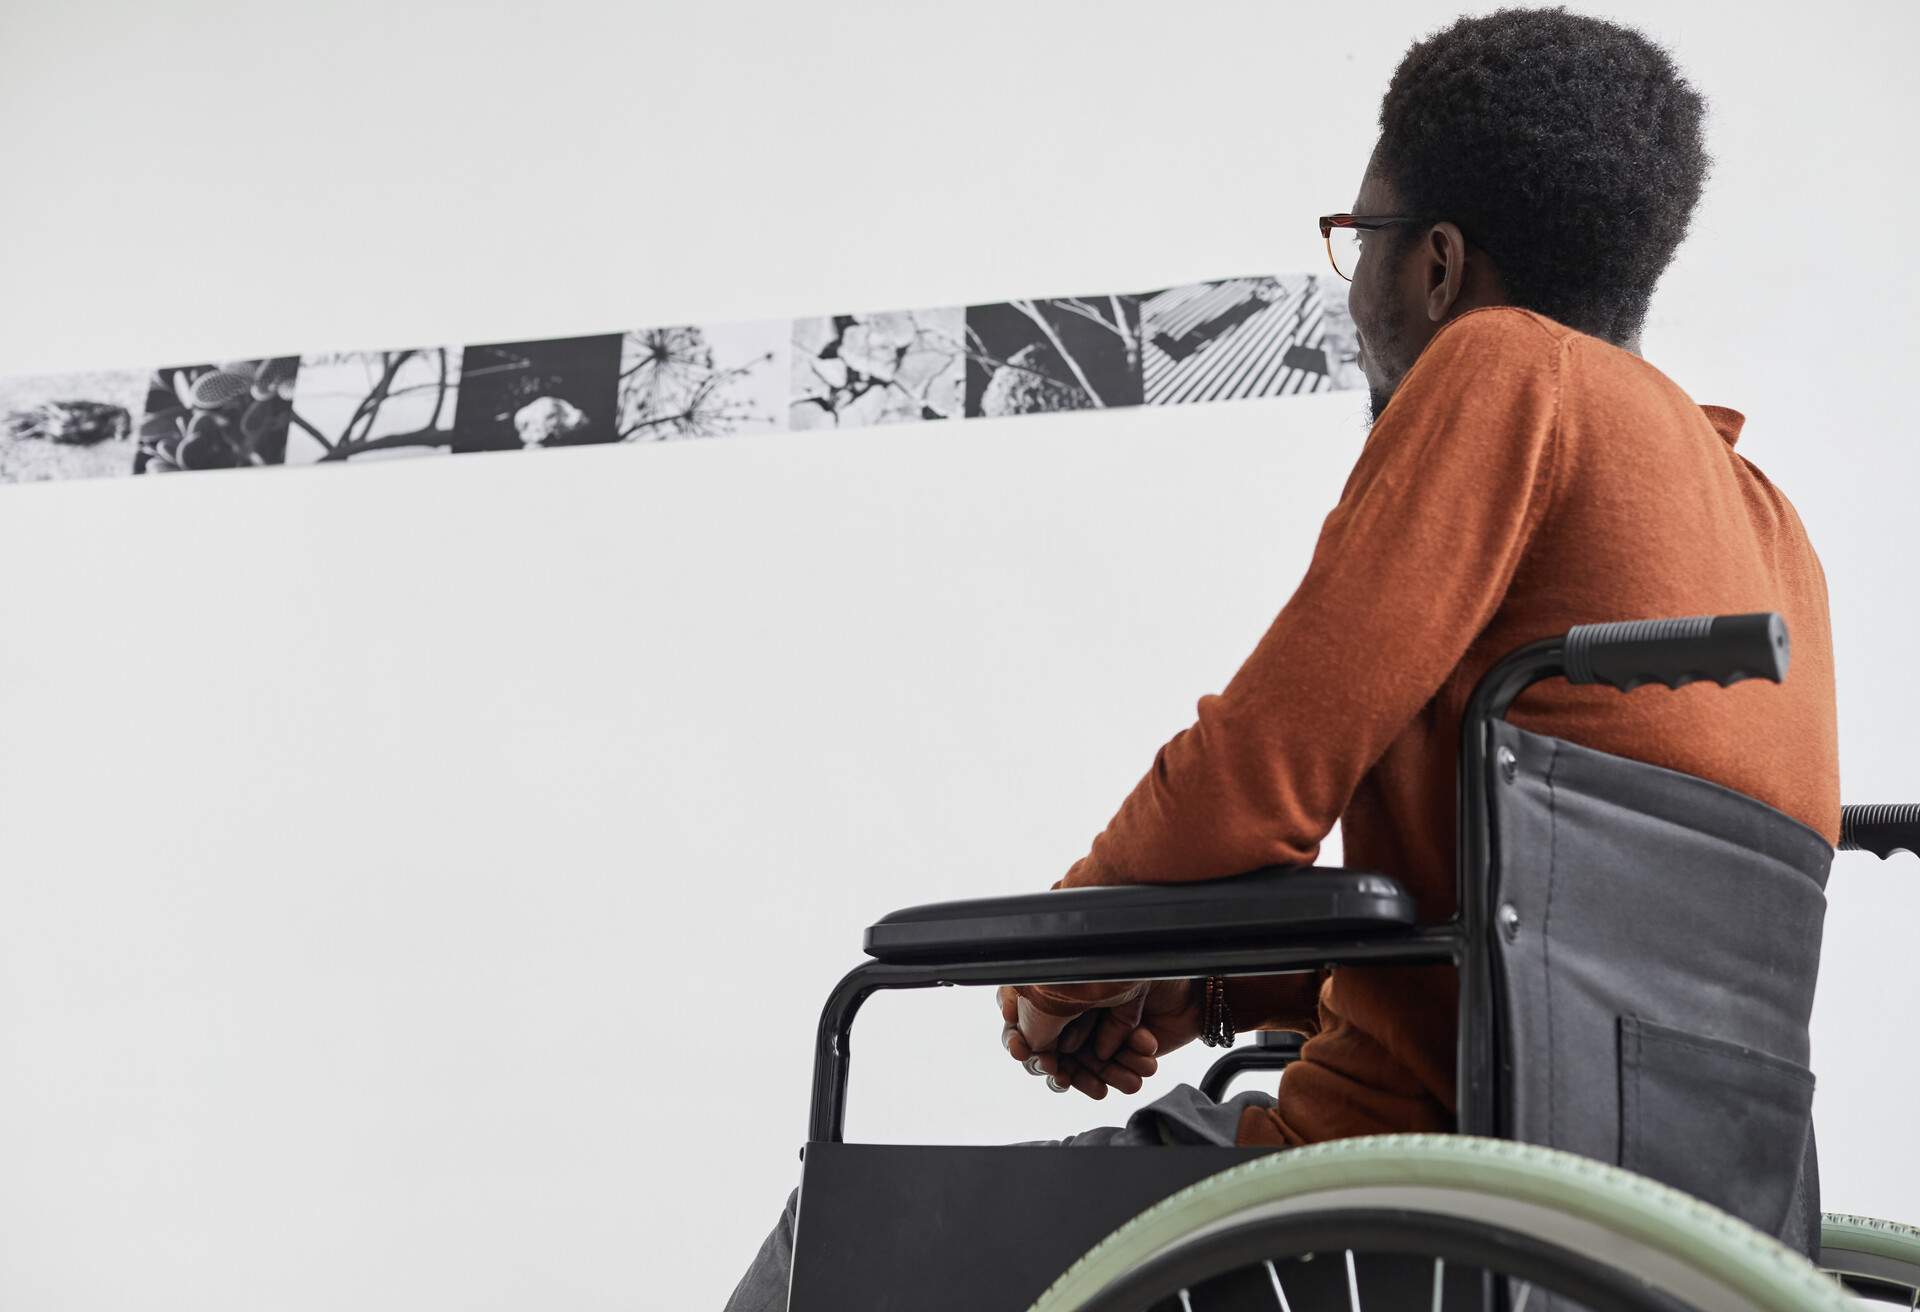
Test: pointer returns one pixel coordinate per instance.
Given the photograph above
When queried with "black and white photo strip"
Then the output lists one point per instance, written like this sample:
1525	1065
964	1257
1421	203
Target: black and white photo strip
1225	339
1247	337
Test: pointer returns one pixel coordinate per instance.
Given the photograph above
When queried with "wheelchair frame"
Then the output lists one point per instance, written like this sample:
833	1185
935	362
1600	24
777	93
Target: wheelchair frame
1624	654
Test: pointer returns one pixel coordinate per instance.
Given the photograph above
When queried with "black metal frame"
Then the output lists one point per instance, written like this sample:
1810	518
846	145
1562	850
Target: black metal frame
1268	925
1271	1050
1460	940
1623	654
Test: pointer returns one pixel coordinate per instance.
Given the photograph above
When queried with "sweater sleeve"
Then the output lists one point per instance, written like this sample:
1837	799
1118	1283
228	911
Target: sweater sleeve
1410	565
1276	1002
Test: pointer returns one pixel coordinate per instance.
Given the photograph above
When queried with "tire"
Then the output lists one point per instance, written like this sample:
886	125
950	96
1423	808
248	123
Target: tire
1574	1226
1879	1260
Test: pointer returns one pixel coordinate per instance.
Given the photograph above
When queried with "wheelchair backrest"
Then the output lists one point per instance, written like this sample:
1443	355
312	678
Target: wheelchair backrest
1656	938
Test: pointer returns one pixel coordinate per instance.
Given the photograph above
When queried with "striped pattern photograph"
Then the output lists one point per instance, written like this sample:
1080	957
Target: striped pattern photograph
1244	337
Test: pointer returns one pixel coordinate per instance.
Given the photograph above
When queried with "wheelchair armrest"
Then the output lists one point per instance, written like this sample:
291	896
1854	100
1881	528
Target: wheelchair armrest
1294	901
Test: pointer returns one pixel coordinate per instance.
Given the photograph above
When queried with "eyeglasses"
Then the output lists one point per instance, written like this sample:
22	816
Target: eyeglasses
1342	232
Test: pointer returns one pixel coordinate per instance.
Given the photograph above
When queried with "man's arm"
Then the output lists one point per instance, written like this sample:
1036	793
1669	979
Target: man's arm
1410	566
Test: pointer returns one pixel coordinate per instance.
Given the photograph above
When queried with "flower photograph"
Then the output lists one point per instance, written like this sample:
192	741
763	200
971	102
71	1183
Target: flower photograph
887	368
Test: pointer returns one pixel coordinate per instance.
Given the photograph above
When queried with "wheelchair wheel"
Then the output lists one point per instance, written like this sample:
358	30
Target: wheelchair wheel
1438	1214
1875	1260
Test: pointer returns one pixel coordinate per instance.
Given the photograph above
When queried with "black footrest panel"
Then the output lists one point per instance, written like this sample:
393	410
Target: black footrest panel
969	1229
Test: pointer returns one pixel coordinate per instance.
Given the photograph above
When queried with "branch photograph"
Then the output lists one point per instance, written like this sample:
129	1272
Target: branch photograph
373	405
1030	357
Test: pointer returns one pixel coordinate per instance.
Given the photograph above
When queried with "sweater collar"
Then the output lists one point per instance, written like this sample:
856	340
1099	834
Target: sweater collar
1726	421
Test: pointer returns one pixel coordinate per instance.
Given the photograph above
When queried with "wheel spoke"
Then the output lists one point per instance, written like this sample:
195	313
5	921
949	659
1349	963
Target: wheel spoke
1278	1292
1522	1215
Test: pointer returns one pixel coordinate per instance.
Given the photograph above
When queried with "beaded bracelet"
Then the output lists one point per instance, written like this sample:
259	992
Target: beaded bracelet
1216	1018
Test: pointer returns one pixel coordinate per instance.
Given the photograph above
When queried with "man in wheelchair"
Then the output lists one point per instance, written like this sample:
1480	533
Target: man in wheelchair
1525	472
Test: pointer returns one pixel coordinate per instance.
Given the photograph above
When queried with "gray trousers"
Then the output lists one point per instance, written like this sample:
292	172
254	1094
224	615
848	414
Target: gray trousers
1182	1115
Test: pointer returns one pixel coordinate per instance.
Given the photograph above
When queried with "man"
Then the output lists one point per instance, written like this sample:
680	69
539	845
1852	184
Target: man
1525	471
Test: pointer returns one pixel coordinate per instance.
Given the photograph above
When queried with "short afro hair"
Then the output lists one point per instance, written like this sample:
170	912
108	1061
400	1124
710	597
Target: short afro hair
1567	147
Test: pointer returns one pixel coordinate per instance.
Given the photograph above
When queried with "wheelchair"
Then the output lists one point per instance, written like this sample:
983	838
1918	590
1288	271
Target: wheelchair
1636	950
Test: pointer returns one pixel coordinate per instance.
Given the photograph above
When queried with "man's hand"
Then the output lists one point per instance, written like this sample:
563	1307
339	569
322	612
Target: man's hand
1095	1036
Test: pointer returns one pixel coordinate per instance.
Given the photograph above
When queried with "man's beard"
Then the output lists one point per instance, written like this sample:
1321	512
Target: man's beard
1378	394
1377	398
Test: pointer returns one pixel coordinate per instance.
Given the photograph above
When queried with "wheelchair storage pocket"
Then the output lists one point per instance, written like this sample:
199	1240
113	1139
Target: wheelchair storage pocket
1718	1120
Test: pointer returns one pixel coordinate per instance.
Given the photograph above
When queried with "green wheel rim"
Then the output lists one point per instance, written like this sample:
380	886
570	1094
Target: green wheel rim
1868	1246
1693	1235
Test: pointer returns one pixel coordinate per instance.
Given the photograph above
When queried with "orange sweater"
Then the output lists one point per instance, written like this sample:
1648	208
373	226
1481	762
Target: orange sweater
1525	478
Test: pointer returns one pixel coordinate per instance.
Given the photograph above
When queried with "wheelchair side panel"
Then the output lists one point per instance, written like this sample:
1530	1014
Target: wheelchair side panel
959	1229
1656	941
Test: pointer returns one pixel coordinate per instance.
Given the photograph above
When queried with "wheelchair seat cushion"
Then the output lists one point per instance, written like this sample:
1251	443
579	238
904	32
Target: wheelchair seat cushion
1261	904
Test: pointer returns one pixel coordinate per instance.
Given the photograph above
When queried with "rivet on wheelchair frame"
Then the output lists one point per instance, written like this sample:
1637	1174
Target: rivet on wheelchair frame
1509	765
1509	921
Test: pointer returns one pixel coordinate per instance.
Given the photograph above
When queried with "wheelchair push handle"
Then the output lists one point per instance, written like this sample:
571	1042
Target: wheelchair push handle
1881	828
1676	652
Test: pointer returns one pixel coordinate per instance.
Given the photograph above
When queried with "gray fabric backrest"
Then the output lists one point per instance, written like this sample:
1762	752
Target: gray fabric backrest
1657	975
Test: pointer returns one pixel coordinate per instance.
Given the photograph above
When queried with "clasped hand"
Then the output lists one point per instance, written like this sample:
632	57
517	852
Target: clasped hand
1093	1037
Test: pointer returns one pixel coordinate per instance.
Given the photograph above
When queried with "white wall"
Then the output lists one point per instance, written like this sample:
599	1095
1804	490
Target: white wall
418	883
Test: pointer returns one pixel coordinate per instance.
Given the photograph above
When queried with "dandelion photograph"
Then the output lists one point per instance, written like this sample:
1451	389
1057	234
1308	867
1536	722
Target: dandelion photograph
711	380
